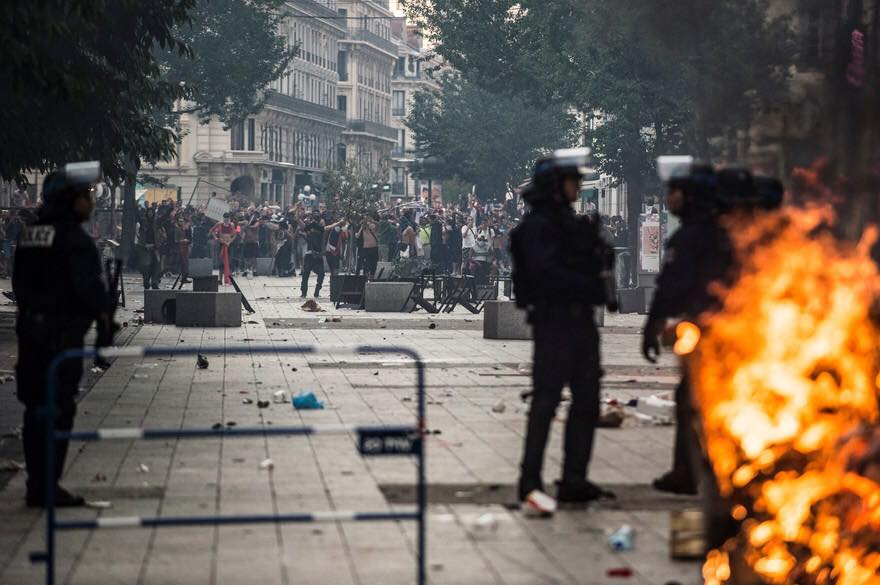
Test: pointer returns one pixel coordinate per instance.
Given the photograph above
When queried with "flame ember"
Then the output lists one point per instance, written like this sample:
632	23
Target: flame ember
786	379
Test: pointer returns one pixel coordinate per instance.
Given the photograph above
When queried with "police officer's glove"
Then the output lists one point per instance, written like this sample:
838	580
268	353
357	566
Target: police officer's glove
651	339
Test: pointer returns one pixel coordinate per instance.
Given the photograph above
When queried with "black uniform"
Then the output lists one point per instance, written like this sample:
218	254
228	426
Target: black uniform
60	293
556	275
314	258
696	255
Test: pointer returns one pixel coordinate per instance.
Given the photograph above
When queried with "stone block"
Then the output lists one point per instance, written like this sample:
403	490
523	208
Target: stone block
504	320
206	283
387	297
264	266
201	267
208	309
153	301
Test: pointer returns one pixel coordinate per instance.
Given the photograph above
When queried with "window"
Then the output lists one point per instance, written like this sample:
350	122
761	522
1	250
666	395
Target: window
341	103
342	64
398	103
251	131
237	136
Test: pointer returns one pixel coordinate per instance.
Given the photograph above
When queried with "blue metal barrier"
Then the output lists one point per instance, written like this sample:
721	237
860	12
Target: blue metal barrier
372	440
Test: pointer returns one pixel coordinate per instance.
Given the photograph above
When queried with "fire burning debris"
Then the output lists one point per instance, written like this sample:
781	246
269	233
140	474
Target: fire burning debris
786	379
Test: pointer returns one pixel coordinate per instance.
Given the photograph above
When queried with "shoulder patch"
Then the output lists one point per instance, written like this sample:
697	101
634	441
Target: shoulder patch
37	236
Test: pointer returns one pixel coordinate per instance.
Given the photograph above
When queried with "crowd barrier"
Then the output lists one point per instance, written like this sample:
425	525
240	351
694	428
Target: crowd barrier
372	441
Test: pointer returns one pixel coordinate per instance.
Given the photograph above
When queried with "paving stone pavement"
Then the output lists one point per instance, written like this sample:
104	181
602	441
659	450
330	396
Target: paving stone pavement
476	447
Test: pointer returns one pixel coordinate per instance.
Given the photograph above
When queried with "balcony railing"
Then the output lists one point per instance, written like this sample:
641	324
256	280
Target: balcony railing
374	128
362	34
298	106
398	112
396	152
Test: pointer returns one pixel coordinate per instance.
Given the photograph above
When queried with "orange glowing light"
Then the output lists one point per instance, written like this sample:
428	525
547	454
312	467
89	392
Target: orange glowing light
687	335
785	378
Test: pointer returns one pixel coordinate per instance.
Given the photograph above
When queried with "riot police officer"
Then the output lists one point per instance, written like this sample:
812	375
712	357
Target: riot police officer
696	255
557	278
60	291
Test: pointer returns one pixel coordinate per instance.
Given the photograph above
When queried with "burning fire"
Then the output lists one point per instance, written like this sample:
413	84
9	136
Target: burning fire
786	378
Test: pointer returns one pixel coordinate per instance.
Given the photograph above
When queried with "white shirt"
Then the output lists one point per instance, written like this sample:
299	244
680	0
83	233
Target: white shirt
468	237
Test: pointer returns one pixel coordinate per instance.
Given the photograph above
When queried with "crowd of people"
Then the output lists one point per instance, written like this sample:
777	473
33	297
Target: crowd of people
463	237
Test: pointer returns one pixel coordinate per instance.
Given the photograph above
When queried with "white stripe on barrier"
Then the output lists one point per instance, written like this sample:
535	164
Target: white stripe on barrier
130	351
332	515
120	433
119	522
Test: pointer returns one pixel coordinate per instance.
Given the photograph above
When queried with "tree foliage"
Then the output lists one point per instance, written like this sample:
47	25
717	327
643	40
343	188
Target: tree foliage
350	184
485	138
81	82
237	50
668	75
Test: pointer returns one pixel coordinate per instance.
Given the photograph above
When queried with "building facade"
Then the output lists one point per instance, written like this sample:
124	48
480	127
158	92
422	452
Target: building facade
296	137
365	60
408	78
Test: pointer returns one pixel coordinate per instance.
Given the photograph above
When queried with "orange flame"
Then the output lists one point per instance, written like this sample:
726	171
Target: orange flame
786	382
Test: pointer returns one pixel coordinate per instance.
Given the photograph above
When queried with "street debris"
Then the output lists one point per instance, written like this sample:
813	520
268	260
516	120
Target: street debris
406	399
140	376
658	408
524	369
432	326
622	539
93	369
307	401
252	323
262	404
279	397
143	468
611	416
99	504
619	572
293	369
202	362
485	525
231	423
267	464
499	407
310	306
11	465
216	426
99	477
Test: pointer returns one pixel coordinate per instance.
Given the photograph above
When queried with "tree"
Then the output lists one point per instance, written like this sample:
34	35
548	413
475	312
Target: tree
349	184
237	50
666	76
485	138
81	82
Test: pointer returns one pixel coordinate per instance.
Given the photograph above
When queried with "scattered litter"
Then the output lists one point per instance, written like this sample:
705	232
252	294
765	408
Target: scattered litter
611	416
248	339
658	408
238	459
499	407
619	572
317	531
140	376
347	472
125	323
432	326
633	402
293	369
99	477
11	465
279	397
143	468
485	525
525	395
94	370
622	538
311	306
252	323
437	567
267	464
307	401
99	504
435	432
231	423
406	399
216	426
262	404
524	368
375	373
202	362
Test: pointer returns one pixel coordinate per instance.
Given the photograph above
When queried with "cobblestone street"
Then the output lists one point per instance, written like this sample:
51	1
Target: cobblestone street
477	421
